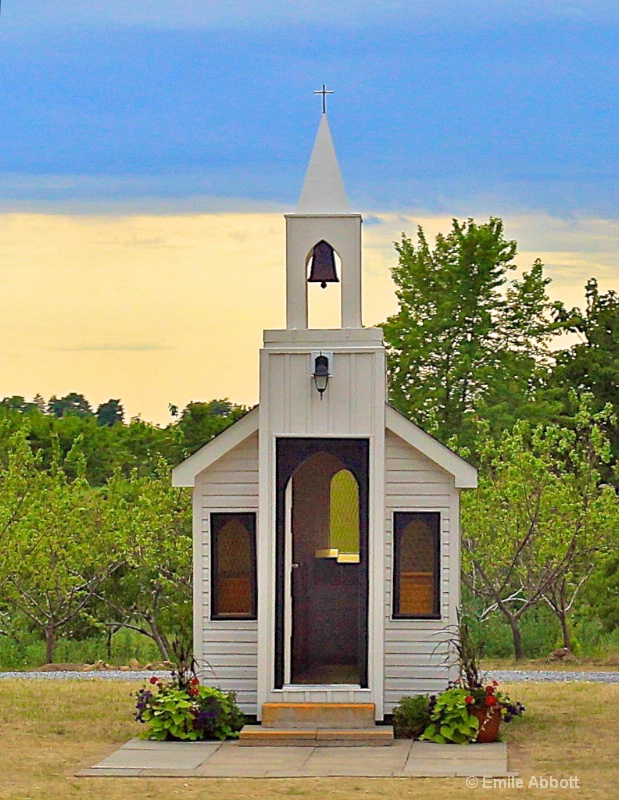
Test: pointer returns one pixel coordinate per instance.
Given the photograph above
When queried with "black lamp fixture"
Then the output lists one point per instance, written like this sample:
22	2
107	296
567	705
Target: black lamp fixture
321	373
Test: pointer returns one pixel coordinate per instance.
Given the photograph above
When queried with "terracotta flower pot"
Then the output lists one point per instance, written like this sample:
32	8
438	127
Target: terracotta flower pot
489	721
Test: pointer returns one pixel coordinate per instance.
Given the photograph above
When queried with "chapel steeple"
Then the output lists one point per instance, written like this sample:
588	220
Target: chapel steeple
322	226
323	190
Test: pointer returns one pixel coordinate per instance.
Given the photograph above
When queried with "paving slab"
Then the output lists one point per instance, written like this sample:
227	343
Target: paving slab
138	758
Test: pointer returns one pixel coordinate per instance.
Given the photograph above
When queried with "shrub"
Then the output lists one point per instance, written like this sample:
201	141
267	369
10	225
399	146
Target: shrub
187	713
411	717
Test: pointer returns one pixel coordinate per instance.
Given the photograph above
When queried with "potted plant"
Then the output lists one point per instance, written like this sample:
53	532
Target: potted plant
470	709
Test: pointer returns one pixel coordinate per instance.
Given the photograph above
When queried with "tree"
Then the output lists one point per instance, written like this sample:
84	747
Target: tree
60	545
200	422
110	413
465	340
19	403
152	593
538	516
72	404
592	365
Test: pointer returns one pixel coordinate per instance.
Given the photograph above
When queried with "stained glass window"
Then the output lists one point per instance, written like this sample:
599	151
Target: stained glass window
233	562
416	564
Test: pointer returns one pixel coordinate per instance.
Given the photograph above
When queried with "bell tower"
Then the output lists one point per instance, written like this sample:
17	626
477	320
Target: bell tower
321	226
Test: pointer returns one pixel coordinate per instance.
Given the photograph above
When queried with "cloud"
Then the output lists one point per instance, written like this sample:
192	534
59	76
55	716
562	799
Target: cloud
248	13
90	304
106	346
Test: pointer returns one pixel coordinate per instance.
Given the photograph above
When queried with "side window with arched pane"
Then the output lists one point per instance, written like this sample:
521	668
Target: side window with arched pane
416	538
233	566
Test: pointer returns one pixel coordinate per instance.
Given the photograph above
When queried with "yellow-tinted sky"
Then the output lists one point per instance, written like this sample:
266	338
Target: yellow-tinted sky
168	309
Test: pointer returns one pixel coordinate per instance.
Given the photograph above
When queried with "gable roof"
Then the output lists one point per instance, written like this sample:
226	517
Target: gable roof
465	475
184	474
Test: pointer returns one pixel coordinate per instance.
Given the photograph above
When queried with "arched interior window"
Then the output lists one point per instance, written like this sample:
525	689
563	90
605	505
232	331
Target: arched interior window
233	551
344	515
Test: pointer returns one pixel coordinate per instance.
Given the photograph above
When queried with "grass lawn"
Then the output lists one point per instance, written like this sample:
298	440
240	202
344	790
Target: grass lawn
49	729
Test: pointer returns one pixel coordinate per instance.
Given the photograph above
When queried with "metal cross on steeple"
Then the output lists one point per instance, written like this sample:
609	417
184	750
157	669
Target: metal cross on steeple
324	92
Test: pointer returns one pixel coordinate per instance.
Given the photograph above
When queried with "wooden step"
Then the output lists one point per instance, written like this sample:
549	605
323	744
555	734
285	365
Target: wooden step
315	716
259	736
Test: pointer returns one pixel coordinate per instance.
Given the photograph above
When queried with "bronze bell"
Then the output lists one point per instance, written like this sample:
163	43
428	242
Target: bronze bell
323	265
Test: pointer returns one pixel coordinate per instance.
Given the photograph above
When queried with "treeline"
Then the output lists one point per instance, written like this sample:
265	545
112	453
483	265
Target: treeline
107	442
93	536
479	359
95	540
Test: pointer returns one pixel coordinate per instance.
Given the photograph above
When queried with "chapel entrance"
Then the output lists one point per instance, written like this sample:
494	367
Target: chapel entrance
322	565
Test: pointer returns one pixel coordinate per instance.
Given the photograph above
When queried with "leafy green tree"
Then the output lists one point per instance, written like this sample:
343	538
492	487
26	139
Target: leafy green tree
72	404
592	364
200	422
18	403
538	518
466	341
110	413
152	593
62	547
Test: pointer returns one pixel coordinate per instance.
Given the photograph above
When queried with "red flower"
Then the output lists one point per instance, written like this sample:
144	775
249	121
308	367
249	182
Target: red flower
495	683
193	692
194	682
489	689
469	699
491	700
154	679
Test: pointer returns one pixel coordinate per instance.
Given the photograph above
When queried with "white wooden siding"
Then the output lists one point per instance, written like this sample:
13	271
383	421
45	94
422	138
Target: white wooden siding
416	650
229	648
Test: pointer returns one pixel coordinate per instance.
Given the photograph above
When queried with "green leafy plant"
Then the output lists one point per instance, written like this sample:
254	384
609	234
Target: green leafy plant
411	716
187	713
450	720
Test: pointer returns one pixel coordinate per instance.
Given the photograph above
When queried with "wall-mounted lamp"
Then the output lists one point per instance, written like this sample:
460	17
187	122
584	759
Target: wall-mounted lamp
321	373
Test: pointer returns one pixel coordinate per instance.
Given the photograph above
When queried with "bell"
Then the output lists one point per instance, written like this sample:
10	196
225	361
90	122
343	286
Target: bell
323	265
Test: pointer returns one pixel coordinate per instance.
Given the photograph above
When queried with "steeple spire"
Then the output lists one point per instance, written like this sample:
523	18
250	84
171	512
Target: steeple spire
323	191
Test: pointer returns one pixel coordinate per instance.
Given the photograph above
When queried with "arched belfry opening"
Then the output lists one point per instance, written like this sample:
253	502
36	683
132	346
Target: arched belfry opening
322	561
323	268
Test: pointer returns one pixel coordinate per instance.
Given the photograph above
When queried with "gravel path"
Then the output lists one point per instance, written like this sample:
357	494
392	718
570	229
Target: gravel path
506	675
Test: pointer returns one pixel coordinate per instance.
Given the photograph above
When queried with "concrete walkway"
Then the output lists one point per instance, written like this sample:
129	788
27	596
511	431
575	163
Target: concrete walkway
404	759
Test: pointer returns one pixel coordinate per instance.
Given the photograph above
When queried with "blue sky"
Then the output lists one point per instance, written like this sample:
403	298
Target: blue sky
149	147
442	105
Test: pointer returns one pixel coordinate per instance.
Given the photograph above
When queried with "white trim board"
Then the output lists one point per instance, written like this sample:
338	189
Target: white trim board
184	474
465	475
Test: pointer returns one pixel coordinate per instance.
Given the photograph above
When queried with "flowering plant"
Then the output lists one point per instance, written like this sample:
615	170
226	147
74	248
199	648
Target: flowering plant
490	696
451	719
188	712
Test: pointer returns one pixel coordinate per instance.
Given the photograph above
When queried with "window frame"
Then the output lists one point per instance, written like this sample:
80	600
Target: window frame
397	526
248	520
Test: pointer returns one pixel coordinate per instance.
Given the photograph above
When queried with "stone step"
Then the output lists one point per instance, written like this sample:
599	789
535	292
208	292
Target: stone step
312	716
259	736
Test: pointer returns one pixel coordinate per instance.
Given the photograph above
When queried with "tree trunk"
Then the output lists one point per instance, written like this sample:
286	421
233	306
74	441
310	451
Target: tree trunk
517	637
160	641
50	642
565	629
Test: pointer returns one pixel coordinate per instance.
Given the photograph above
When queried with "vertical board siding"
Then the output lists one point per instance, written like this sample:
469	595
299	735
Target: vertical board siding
416	650
229	647
298	408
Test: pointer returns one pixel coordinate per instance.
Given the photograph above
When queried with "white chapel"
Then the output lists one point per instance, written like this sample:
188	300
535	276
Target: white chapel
326	538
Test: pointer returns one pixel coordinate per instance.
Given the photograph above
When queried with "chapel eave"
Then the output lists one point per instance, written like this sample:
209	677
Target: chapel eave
185	473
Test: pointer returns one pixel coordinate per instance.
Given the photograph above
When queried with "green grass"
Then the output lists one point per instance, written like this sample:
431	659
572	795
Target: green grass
51	729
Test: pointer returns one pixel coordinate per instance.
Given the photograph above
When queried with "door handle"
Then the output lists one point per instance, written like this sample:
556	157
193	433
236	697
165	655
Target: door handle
295	566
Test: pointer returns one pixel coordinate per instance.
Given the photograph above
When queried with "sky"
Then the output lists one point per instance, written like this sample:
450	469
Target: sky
148	151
